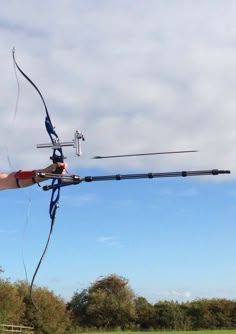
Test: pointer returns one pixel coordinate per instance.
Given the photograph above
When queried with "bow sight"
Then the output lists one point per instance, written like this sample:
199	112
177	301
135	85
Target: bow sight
74	143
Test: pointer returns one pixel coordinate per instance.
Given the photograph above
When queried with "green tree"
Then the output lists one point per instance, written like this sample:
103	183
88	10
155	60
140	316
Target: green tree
233	315
78	306
144	314
171	315
11	304
201	315
107	303
51	316
222	310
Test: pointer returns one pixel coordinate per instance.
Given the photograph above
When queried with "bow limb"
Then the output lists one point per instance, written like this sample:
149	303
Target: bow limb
57	156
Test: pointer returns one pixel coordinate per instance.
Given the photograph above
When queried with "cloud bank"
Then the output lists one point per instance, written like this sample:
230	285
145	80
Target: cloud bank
134	76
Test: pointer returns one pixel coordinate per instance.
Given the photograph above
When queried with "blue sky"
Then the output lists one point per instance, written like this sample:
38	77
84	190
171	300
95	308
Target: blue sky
133	76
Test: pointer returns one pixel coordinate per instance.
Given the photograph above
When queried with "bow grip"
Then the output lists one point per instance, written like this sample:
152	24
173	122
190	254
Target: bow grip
55	159
58	170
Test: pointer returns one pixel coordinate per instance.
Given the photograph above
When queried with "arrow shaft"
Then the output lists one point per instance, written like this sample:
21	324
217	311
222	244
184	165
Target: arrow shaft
142	154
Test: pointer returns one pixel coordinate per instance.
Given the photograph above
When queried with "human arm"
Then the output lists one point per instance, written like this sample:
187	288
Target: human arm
8	180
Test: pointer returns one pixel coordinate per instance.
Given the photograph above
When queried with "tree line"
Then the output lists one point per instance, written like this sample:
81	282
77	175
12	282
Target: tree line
108	304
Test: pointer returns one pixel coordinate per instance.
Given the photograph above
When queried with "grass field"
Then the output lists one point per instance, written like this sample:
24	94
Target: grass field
221	331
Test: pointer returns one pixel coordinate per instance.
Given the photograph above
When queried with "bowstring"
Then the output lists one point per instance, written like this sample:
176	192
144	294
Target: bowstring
27	218
10	128
26	224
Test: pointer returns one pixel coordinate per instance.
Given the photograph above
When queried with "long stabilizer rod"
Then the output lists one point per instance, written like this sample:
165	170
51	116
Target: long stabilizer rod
75	179
140	154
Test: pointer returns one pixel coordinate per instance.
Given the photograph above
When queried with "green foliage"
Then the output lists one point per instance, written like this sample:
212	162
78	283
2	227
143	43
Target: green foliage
107	303
52	316
212	313
110	304
17	308
11	304
144	314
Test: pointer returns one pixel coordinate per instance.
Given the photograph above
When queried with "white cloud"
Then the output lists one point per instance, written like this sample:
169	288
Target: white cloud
174	293
133	76
103	239
108	240
7	231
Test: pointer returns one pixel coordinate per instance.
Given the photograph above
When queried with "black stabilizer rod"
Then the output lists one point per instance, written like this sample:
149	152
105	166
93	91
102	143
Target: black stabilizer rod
73	180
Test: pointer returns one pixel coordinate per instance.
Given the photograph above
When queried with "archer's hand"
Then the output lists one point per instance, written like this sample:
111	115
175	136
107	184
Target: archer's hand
57	167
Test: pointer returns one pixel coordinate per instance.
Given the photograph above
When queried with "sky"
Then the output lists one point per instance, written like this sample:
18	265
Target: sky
134	76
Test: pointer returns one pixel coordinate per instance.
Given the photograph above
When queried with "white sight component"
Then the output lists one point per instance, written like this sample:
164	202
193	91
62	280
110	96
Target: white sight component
74	143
